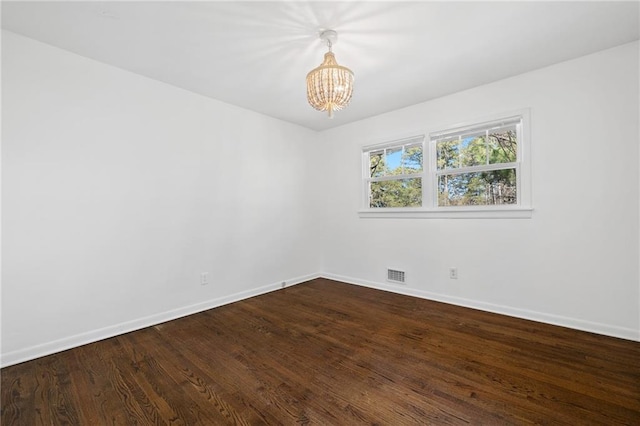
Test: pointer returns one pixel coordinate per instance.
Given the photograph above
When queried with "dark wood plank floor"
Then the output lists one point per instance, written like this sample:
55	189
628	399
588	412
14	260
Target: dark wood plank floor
328	353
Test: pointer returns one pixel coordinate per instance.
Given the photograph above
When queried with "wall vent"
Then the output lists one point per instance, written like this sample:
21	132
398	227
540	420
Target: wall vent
395	276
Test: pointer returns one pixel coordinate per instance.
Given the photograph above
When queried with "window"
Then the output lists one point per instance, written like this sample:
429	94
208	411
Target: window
395	174
478	166
476	170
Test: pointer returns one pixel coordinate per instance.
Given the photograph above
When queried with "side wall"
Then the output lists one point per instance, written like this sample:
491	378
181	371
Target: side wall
119	191
574	263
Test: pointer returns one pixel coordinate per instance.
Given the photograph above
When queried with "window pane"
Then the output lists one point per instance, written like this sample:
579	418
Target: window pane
503	145
477	189
396	193
412	159
393	160
376	163
447	152
473	151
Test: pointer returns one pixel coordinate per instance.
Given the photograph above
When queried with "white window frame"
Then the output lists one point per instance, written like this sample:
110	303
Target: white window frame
412	140
430	209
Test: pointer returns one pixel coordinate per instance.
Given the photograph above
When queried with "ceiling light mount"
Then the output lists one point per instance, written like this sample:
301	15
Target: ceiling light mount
329	37
329	86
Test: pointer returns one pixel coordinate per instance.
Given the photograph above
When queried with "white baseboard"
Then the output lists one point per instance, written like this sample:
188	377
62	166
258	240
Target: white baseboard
593	327
37	351
49	348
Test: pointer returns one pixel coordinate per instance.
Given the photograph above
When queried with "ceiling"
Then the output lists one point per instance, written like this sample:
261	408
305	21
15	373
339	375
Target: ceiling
256	54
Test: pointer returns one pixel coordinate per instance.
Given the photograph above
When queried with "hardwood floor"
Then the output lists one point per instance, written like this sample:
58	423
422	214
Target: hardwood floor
328	353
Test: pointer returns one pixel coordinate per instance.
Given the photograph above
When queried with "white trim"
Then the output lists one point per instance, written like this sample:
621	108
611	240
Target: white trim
477	169
448	213
478	120
396	177
429	174
37	351
562	321
476	126
417	138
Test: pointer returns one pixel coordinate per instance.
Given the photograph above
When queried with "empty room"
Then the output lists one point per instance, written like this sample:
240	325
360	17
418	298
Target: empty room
320	213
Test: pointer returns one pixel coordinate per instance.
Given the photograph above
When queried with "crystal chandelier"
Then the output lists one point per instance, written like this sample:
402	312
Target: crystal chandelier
329	86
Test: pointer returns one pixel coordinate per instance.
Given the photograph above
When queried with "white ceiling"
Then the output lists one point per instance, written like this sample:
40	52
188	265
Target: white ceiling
256	54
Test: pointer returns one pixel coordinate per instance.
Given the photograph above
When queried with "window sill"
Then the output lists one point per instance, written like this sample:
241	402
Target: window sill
460	213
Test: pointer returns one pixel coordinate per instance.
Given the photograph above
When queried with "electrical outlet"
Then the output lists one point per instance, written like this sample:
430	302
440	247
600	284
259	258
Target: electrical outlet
204	278
453	273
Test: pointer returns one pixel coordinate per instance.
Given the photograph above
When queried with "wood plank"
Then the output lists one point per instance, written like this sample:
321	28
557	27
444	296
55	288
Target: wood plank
325	352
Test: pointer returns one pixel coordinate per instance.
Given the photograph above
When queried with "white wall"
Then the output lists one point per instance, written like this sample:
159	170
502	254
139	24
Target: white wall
118	191
574	263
